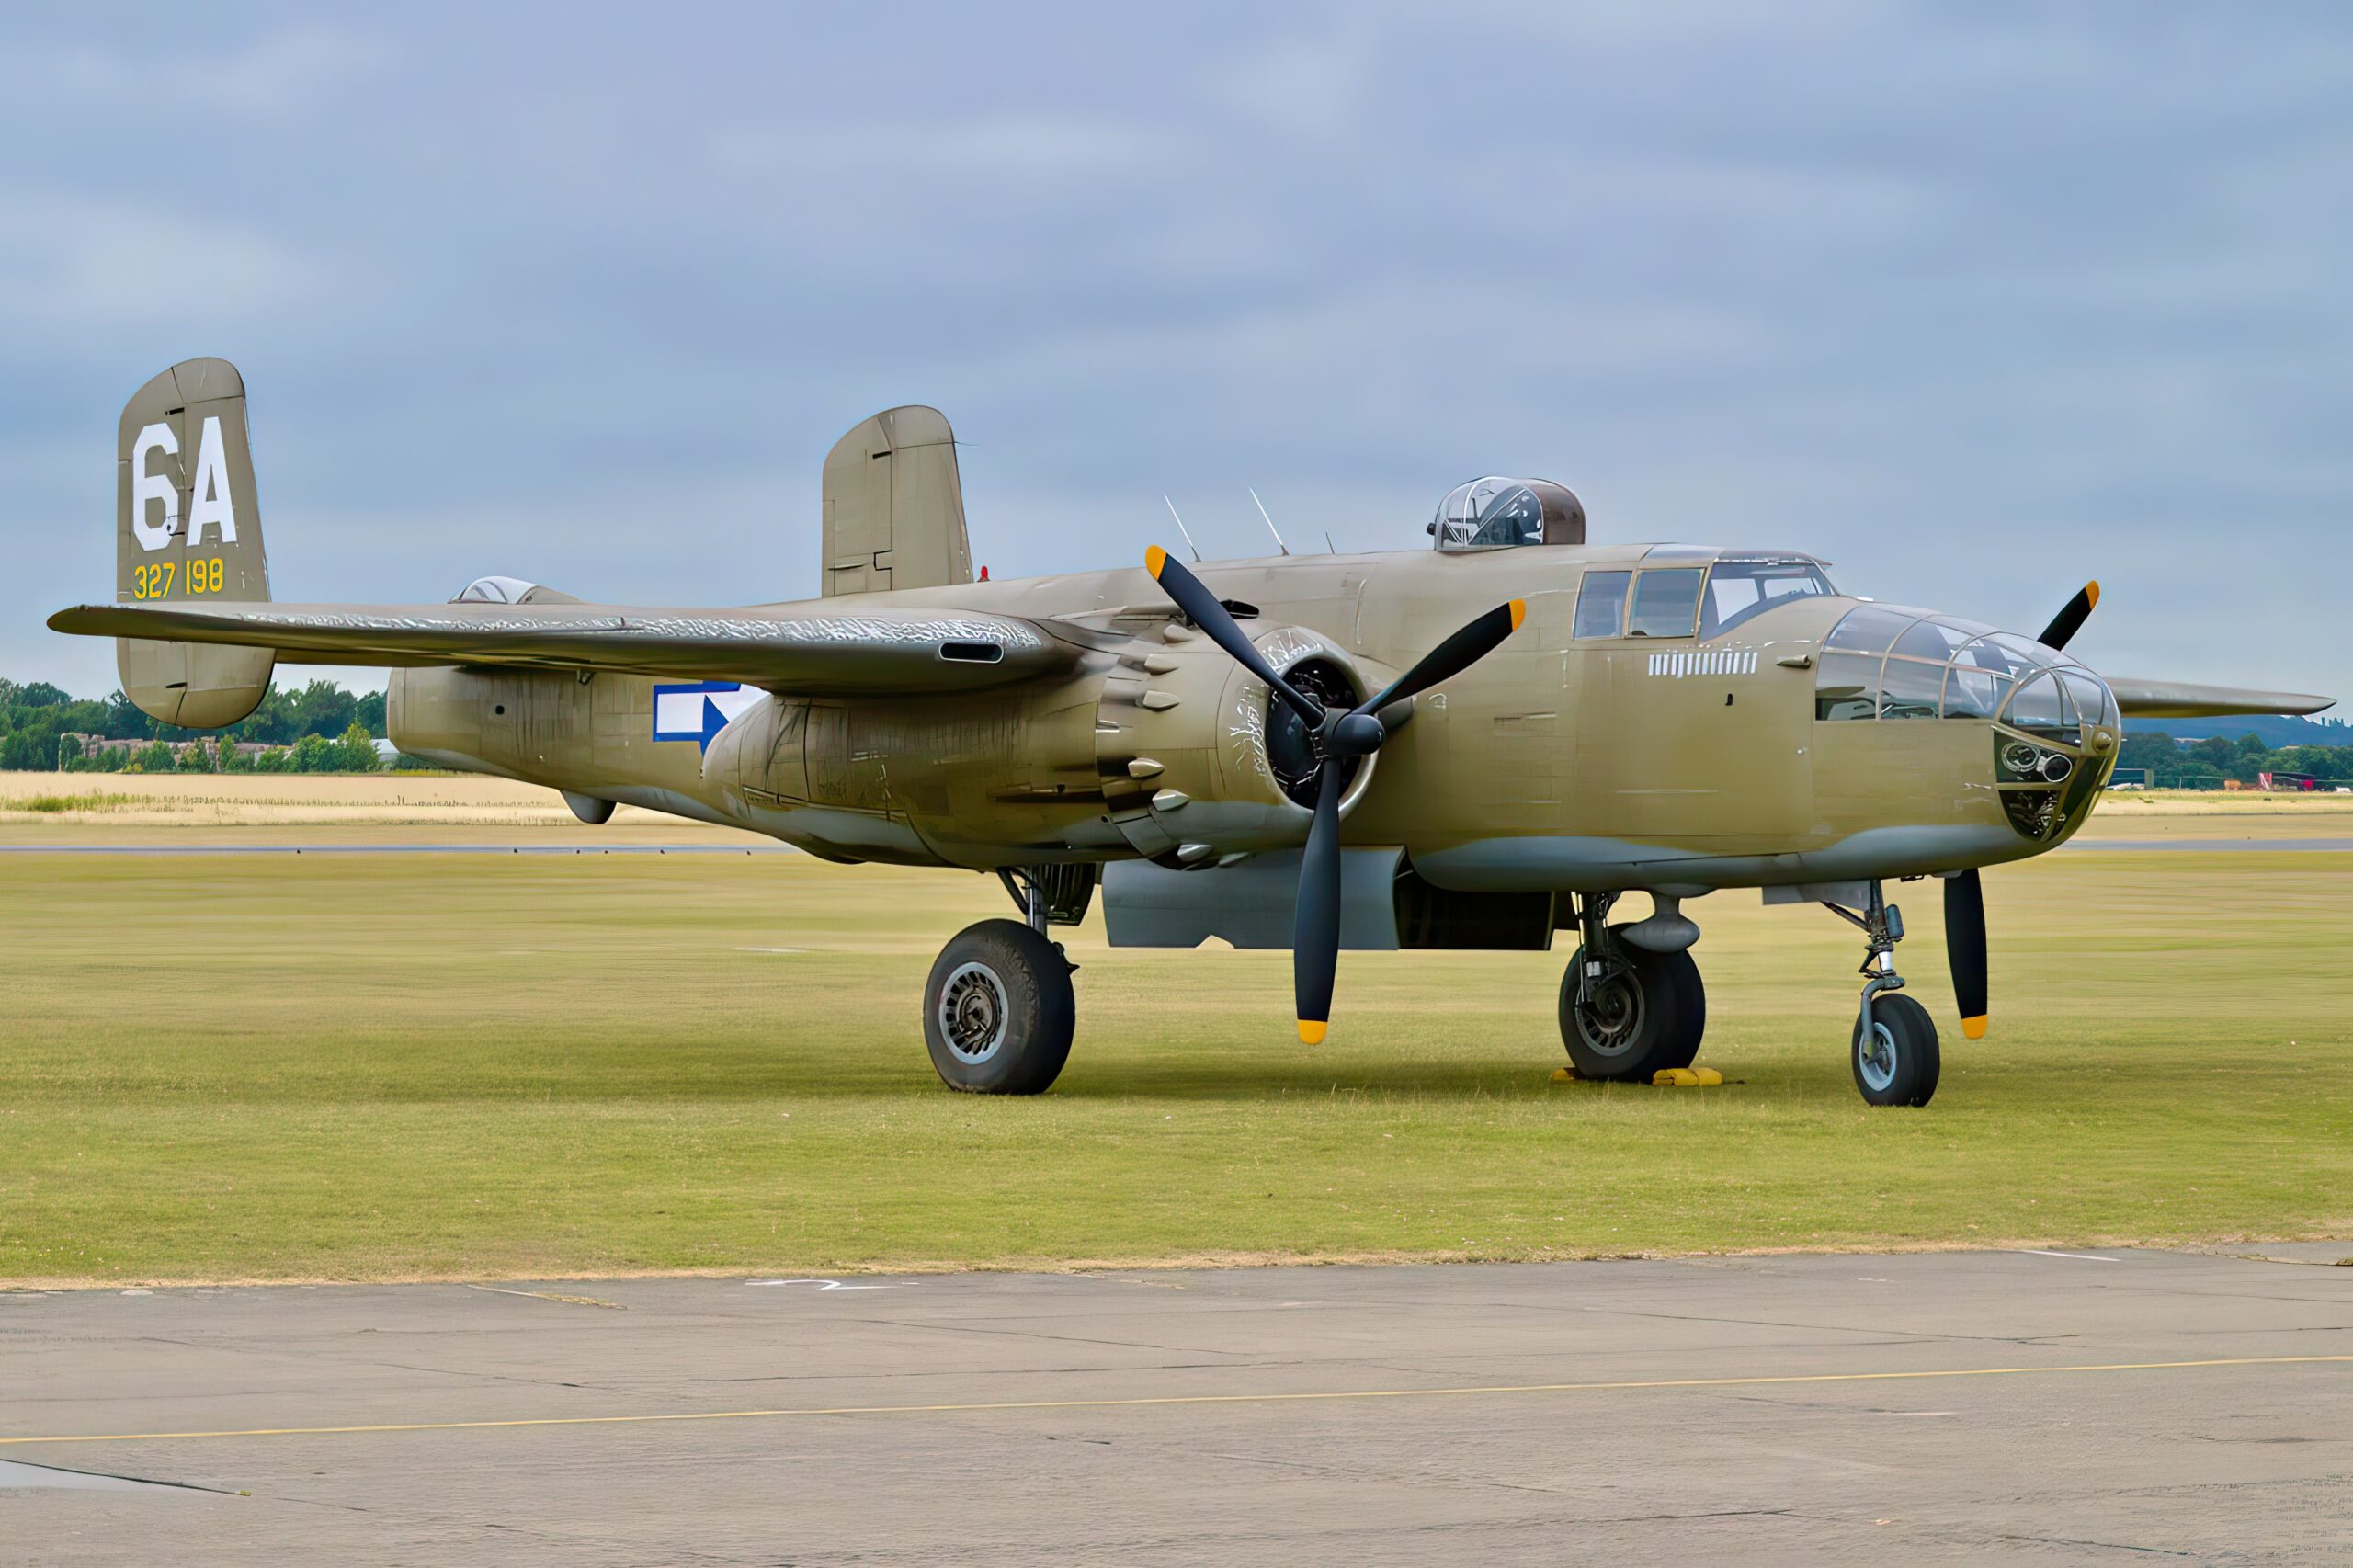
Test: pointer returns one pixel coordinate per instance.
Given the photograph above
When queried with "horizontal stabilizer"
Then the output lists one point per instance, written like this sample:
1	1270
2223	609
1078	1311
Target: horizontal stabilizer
875	652
2177	700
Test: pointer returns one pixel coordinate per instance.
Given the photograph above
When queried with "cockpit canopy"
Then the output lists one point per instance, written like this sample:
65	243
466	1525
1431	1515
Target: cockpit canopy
497	590
1496	513
493	591
1886	662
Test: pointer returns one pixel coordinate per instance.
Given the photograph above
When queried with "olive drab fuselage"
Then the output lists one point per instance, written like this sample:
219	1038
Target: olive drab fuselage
1677	764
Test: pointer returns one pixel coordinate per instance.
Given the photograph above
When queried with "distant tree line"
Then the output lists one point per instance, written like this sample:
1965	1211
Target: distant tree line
320	728
2205	764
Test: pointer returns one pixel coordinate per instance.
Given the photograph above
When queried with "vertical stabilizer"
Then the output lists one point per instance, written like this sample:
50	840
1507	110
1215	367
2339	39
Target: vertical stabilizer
894	506
188	527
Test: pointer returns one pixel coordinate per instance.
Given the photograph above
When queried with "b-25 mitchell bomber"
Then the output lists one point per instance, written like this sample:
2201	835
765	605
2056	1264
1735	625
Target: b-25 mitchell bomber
1475	745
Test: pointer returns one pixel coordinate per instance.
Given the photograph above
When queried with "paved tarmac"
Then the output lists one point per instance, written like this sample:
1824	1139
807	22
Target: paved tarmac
2059	1407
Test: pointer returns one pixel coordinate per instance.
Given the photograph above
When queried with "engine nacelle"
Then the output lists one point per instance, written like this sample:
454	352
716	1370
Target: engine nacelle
1166	749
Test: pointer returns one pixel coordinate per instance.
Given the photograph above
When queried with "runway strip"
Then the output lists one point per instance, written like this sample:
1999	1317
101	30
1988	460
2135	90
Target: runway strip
2057	1403
2238	845
1475	1390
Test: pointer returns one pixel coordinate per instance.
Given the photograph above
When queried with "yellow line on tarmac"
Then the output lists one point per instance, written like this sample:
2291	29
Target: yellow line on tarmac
1145	1401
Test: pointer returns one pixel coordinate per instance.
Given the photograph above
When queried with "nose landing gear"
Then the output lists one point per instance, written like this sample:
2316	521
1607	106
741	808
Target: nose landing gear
1896	1057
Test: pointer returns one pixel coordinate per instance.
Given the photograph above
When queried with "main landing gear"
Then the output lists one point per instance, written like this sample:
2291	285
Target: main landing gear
997	1010
1631	1004
1895	1056
1629	1011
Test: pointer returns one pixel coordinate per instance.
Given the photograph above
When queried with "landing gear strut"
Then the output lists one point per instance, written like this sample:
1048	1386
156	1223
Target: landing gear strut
1895	1056
1628	1012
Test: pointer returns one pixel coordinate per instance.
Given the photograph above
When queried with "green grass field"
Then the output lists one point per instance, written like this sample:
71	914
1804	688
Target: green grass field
371	1067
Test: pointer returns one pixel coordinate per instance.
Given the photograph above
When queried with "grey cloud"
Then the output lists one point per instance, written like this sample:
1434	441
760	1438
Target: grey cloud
1976	301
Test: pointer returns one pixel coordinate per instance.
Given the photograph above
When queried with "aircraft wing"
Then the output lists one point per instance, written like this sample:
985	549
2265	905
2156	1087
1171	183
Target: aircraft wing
872	651
2176	700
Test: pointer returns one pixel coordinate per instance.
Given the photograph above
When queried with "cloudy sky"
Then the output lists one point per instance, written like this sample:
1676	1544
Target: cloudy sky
1976	299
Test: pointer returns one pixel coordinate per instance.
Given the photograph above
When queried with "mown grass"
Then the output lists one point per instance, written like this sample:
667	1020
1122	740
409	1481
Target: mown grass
359	1066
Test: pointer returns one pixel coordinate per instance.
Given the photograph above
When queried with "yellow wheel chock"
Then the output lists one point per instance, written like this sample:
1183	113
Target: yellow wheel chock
1667	1078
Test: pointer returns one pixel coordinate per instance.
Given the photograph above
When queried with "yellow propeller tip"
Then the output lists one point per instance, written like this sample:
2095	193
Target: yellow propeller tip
2091	592
1311	1031
1155	558
1518	612
1974	1028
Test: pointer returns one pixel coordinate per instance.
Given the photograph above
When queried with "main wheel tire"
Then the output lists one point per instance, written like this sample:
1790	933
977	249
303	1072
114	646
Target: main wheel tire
1900	1063
1646	1012
997	1011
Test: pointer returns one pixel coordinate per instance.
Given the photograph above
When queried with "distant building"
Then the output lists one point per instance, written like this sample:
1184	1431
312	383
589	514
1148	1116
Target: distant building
98	745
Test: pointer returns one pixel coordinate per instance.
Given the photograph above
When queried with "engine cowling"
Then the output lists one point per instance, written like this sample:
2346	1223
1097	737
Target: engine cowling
1197	765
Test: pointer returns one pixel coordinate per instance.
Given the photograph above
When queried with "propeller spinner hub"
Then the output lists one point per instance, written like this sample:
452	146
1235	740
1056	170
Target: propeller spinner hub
1355	735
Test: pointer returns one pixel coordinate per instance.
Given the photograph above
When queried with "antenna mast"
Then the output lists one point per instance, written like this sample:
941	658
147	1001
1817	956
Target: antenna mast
1270	523
1182	529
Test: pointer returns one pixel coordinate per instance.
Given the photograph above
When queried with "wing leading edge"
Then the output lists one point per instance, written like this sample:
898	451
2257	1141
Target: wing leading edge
2178	700
873	652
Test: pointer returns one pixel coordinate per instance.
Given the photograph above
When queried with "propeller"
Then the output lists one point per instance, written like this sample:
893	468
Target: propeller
1966	892
2070	620
1339	738
1965	948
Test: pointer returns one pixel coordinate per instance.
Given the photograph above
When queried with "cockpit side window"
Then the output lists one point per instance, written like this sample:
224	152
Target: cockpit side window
1739	590
1602	604
1667	604
1846	685
1908	688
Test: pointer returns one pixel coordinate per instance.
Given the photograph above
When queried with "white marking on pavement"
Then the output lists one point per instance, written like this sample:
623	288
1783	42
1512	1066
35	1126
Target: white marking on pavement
2082	1257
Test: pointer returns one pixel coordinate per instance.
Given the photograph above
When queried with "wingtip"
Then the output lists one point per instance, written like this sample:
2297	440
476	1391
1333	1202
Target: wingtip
1312	1031
1155	558
1974	1028
74	617
1518	612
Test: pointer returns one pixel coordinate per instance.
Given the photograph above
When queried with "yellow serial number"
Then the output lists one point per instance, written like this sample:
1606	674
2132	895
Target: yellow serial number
157	581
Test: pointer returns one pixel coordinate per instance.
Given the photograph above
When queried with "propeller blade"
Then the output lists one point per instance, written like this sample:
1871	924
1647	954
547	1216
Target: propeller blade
1200	607
2070	620
1315	930
1454	655
1965	948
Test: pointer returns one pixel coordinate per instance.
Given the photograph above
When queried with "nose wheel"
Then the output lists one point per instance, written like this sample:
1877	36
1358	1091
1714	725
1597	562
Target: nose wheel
1896	1060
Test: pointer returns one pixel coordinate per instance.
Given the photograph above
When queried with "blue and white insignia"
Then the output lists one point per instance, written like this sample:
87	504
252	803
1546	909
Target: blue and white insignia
699	710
